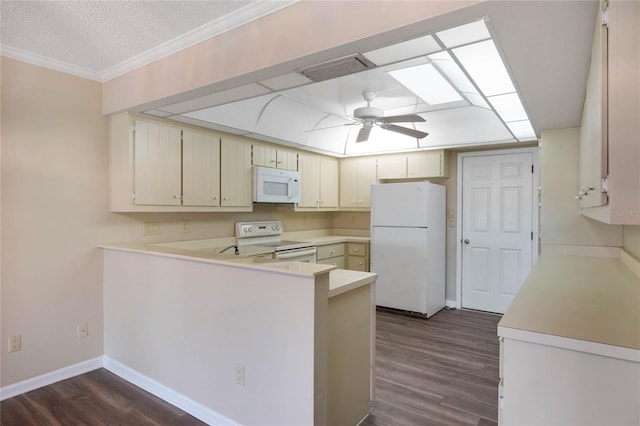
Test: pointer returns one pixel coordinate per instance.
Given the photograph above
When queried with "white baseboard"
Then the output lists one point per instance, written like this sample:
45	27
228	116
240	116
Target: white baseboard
163	392
49	378
451	304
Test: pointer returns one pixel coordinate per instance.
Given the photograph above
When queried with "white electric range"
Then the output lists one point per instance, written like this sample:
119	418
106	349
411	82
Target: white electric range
264	238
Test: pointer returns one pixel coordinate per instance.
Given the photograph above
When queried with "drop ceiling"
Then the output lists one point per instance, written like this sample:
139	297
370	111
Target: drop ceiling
544	47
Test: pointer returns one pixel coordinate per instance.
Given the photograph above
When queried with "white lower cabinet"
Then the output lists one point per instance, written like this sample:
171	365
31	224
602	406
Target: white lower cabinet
543	383
332	254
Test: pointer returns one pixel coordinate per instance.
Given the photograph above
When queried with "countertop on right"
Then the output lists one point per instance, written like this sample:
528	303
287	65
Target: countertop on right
593	299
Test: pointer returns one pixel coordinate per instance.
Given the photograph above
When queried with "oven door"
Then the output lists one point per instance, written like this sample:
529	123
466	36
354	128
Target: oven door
306	254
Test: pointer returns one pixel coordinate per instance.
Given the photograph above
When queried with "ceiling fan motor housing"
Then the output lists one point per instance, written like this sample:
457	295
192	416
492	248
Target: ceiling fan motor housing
368	113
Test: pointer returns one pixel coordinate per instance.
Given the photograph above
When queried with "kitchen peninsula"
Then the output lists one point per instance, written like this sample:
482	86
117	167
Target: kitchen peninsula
237	340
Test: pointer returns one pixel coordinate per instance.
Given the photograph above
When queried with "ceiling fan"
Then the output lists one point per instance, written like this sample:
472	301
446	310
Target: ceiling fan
368	116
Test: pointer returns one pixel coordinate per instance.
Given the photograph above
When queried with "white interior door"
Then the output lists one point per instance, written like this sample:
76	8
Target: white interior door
497	228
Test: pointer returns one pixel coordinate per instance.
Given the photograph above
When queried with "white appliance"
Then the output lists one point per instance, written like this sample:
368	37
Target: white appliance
408	245
263	239
275	185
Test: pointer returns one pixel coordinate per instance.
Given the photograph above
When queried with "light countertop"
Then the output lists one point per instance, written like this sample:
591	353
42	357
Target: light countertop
342	280
592	299
208	256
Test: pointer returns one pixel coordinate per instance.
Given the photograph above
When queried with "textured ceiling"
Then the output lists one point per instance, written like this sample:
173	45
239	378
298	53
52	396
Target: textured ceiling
98	36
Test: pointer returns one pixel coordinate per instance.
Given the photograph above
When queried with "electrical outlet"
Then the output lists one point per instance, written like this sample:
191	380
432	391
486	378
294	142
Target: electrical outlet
185	226
239	374
83	330
15	343
151	228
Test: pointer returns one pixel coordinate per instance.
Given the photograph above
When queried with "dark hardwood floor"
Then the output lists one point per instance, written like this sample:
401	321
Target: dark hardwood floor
440	371
95	398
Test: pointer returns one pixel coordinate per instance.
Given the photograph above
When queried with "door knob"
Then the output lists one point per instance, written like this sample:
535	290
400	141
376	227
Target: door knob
466	241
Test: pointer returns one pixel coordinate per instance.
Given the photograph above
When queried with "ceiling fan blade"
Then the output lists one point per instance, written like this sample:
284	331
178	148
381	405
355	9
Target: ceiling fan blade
404	130
363	134
409	118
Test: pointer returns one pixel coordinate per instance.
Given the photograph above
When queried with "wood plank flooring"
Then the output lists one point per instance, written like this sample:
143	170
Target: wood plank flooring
440	371
95	398
437	371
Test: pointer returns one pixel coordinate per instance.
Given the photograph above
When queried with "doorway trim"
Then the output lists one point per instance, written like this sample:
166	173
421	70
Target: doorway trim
535	205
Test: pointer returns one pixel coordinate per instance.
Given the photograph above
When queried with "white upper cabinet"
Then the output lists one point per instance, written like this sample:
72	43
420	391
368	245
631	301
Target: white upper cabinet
610	130
236	173
319	182
158	166
423	164
356	177
270	156
156	153
200	169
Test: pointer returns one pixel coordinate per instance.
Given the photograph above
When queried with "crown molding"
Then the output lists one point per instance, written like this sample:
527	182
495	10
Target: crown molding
239	17
233	20
54	64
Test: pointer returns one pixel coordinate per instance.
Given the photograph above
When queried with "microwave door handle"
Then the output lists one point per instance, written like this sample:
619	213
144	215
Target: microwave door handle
290	188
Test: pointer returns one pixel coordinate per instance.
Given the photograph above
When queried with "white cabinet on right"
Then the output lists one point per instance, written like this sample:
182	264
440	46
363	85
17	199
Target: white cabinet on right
414	165
609	186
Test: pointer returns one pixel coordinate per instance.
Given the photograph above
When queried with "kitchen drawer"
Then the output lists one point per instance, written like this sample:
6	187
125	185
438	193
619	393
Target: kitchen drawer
357	249
329	251
358	263
338	261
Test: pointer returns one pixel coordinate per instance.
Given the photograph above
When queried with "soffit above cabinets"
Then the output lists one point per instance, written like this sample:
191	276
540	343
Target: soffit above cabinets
455	79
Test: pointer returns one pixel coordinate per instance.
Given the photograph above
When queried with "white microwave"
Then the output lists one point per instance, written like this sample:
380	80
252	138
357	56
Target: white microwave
275	185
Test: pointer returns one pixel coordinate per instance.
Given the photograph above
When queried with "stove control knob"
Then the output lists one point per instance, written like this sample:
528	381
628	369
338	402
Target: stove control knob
247	229
274	227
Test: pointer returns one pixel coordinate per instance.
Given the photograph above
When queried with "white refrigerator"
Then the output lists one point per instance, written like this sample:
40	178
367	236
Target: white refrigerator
408	225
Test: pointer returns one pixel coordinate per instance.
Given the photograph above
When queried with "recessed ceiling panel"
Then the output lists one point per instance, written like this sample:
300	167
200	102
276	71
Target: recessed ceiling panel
286	119
223	97
522	130
464	34
238	115
463	126
402	51
426	82
484	64
508	107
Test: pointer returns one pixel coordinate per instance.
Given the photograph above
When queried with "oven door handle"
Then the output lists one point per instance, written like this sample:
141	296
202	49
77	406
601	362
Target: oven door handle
295	253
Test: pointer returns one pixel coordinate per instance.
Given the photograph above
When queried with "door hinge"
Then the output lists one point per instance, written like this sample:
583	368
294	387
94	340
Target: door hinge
604	13
532	169
531	235
604	185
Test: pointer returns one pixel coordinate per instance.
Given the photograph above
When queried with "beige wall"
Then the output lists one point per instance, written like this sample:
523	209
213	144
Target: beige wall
55	211
560	218
632	240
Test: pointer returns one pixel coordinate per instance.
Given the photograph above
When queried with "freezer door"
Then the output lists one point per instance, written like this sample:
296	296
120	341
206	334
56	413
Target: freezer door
400	258
400	204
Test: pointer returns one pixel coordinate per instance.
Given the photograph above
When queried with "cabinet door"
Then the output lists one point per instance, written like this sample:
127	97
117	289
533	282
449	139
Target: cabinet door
427	164
287	160
309	180
349	183
200	169
392	167
157	165
593	129
329	182
236	178
263	155
366	178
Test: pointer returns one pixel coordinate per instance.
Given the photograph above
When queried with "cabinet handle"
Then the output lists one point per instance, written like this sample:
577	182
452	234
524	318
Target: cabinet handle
176	196
214	198
225	198
355	249
361	263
